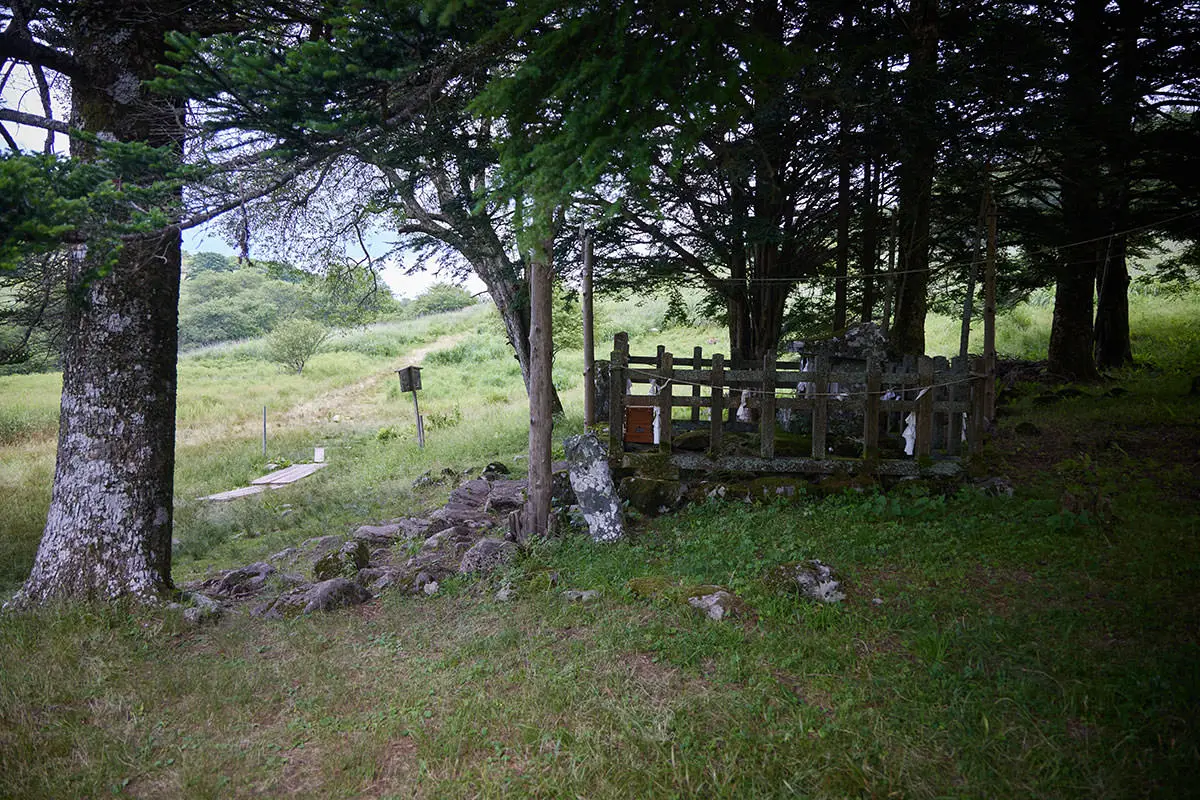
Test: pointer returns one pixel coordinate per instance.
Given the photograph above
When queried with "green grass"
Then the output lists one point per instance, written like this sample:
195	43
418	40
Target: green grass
1021	647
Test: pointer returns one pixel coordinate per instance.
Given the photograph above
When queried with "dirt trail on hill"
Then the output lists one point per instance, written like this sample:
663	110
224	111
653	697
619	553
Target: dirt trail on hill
349	403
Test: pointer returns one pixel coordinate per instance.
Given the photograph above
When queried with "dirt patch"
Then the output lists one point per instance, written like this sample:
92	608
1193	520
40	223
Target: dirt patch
396	769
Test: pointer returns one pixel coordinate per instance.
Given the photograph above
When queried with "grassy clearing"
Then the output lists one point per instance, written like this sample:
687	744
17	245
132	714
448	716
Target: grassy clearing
1041	645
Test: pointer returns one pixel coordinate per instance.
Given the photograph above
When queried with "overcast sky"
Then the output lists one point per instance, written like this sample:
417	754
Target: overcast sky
20	94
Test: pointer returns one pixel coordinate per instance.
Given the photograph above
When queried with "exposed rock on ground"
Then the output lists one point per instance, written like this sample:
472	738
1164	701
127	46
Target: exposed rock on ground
486	555
592	481
810	579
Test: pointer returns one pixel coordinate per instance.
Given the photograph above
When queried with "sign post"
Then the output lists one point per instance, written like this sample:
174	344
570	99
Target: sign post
410	381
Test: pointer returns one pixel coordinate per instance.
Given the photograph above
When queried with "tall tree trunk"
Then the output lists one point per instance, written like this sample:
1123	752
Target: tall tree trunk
1113	345
842	253
1081	259
869	258
108	531
541	385
919	143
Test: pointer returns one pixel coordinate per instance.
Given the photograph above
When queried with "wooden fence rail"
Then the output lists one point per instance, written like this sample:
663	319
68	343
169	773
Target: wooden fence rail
945	397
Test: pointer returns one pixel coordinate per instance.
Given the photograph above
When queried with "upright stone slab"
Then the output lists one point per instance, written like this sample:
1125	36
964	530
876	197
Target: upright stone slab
593	484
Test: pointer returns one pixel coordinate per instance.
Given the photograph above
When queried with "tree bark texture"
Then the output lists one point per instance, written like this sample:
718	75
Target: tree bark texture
1080	260
919	144
541	420
108	531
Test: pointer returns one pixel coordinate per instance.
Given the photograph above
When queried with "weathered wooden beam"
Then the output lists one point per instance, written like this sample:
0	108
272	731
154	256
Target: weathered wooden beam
618	366
665	389
766	415
871	411
716	416
820	425
924	445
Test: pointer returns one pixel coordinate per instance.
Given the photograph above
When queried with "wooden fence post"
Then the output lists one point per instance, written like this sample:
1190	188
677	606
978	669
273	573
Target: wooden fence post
697	357
666	374
871	411
958	367
766	408
716	422
616	397
975	420
820	426
925	407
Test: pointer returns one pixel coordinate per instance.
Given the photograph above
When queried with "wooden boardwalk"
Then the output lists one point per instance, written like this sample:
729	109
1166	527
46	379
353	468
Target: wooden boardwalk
273	480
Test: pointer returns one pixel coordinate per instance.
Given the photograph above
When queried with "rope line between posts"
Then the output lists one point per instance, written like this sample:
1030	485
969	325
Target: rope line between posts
794	393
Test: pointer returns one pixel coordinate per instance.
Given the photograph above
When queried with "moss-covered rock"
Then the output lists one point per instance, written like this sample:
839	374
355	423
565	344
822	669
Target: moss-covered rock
652	496
345	562
773	487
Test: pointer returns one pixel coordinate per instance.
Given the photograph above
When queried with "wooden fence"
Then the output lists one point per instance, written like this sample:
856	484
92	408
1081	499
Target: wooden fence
945	397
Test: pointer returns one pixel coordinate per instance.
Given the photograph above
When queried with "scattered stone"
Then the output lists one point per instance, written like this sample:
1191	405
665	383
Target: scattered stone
345	562
471	496
505	496
506	593
561	493
324	596
999	486
592	482
1027	429
430	588
494	470
405	528
944	469
876	601
581	595
204	609
486	555
718	605
811	579
237	583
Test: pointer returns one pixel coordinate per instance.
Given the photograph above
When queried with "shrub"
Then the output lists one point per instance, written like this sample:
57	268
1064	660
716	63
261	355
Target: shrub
295	341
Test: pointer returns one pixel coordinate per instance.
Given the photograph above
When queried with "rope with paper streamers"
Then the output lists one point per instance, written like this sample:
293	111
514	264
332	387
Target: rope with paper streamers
786	394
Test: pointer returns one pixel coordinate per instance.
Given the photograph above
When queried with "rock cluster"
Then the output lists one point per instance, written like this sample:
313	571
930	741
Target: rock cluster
466	536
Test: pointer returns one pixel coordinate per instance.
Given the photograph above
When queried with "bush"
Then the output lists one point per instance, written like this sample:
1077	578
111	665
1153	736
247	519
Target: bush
441	297
295	341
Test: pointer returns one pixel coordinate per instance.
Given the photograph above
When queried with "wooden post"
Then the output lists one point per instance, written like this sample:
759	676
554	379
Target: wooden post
958	367
871	410
820	425
975	418
616	398
540	387
589	348
989	315
924	444
264	431
766	407
665	388
716	423
420	423
697	357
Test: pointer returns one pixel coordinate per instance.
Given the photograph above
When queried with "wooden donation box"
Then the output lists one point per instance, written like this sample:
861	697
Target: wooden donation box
410	379
639	424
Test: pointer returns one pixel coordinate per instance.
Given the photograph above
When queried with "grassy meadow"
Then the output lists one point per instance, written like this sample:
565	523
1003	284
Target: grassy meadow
1043	645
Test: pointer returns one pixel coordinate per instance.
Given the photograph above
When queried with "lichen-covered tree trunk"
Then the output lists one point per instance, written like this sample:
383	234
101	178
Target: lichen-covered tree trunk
108	531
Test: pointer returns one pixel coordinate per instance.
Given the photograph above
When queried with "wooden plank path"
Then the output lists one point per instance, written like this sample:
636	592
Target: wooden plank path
273	480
